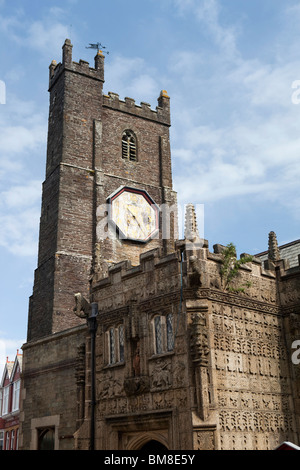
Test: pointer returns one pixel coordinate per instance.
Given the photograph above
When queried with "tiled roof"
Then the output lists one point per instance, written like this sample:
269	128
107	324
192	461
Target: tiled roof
289	251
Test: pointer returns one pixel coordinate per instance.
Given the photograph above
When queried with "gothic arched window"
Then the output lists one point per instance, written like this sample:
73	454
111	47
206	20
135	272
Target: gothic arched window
129	146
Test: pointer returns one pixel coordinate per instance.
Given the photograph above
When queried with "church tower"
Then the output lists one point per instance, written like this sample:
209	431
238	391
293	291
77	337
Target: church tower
108	177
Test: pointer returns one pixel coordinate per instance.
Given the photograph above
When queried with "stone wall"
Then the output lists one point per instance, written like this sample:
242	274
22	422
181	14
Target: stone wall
49	397
227	384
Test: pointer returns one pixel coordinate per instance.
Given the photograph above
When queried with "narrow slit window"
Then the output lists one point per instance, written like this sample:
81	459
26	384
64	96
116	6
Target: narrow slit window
129	151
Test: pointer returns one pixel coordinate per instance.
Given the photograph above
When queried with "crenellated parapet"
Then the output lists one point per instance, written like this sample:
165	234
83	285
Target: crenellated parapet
82	67
153	264
161	114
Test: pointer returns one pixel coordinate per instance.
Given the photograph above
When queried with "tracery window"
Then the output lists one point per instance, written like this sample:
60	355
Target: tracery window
163	333
129	146
115	344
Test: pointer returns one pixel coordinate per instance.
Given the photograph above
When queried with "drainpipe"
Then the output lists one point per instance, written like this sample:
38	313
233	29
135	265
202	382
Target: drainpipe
92	323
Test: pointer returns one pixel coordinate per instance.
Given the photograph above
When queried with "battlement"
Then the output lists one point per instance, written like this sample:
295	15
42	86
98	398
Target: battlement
160	114
82	67
124	269
196	271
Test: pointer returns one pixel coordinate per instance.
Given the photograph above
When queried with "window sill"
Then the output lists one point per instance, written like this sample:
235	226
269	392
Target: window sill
10	414
117	364
164	354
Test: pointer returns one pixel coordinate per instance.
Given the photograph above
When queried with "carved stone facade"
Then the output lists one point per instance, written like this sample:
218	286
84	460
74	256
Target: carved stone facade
229	381
176	361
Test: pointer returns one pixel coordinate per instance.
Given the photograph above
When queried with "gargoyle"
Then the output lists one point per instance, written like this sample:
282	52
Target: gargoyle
82	307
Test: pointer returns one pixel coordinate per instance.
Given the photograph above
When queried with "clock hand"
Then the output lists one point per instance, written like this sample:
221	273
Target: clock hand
136	220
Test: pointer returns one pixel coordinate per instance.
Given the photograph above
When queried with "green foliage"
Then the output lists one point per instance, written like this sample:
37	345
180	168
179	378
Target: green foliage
230	269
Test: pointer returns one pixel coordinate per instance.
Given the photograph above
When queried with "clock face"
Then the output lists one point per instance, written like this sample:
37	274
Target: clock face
134	213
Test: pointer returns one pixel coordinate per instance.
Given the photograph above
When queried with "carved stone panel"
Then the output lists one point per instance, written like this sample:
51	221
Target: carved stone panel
204	440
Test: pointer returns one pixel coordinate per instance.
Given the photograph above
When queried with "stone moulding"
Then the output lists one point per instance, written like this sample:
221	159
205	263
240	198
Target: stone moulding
237	300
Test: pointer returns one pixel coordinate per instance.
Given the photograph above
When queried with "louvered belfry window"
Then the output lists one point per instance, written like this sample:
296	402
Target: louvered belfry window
129	146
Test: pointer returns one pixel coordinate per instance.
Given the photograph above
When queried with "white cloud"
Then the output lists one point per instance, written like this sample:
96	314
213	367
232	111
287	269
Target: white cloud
238	159
208	12
38	34
130	77
8	349
19	230
21	195
42	33
8	24
22	135
15	139
9	166
23	129
235	130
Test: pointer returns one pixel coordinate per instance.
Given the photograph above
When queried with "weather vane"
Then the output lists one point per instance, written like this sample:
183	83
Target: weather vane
97	46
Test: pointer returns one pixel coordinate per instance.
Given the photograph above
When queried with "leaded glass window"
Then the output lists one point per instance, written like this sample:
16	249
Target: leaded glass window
112	347
115	344
158	335
163	332
170	334
121	343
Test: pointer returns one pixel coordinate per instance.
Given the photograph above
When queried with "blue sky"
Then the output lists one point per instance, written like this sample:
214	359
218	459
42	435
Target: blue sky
228	66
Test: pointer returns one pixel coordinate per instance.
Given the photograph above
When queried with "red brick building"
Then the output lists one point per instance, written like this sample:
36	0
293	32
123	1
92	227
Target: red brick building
10	403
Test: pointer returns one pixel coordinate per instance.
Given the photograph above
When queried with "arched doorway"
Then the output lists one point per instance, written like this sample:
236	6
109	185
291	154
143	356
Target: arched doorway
154	446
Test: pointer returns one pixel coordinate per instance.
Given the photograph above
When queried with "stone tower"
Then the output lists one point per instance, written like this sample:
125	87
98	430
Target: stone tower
105	158
100	150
